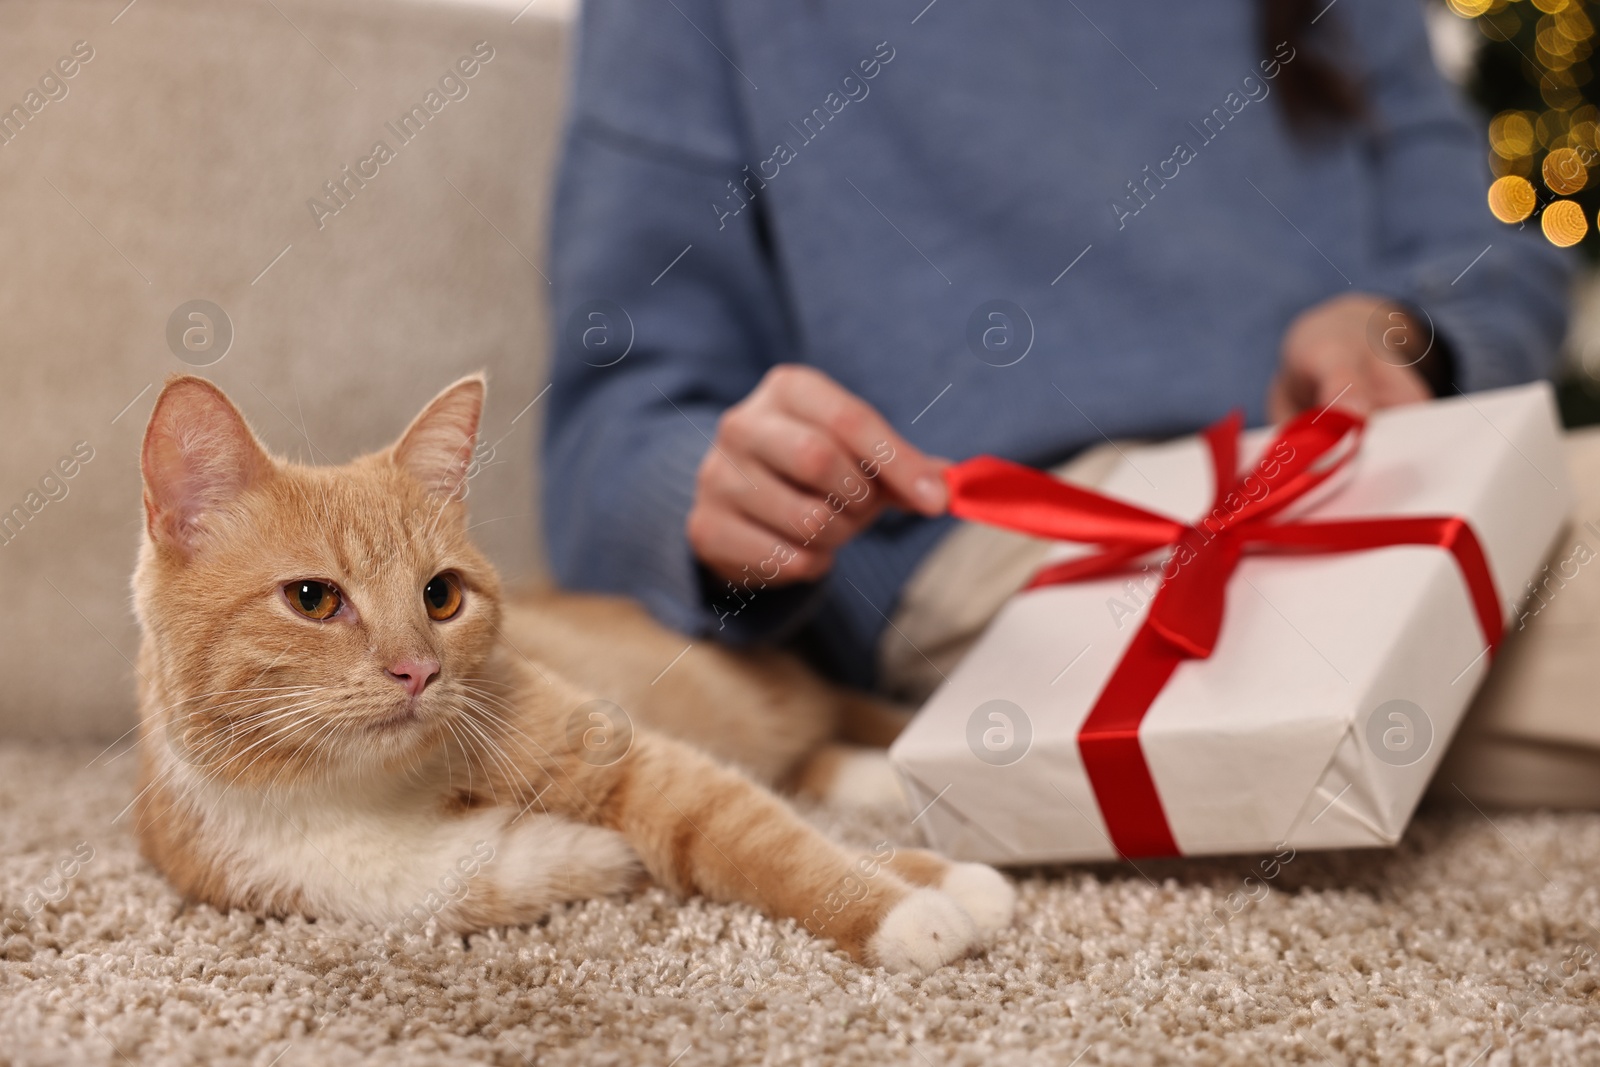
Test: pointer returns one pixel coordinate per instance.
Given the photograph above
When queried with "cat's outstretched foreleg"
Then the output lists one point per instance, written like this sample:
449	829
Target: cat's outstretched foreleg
700	827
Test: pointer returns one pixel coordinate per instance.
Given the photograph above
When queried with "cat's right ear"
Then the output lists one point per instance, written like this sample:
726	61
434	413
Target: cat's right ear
198	456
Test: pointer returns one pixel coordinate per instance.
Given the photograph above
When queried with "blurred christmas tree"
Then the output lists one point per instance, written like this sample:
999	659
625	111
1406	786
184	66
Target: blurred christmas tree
1533	78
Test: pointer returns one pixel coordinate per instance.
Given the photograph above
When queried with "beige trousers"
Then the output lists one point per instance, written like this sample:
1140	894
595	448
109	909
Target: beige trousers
1530	739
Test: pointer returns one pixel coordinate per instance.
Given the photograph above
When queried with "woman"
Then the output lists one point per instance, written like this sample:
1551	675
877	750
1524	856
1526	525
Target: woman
805	252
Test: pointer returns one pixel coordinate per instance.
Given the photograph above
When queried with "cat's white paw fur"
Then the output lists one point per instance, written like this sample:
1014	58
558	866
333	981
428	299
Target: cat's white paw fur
984	893
866	779
927	929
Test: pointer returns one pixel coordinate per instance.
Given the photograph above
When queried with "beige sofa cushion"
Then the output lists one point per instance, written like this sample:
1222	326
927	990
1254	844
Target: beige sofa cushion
177	166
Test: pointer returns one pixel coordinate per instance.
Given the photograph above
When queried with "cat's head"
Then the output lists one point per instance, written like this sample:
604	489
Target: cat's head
303	621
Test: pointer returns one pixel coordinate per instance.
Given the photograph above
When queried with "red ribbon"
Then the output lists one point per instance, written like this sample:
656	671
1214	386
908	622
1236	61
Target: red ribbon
1185	617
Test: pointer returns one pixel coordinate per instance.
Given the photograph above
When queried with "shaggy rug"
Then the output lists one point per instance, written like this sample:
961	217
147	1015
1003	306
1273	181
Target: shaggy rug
1474	943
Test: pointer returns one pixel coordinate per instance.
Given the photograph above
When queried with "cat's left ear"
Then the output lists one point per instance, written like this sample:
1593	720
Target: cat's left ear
436	448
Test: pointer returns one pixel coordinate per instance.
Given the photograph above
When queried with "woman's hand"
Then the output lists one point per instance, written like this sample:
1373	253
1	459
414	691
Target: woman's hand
1358	351
798	468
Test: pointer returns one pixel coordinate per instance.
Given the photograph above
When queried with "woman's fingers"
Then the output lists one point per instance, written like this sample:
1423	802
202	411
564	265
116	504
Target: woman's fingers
1329	359
910	477
734	546
1280	407
801	465
805	455
1342	383
1394	385
799	517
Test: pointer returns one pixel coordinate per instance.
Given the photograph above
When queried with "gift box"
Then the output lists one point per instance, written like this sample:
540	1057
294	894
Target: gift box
1532	735
1244	640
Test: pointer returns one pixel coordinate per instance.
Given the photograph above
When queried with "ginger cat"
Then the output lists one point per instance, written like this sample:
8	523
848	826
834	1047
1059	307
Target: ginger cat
340	715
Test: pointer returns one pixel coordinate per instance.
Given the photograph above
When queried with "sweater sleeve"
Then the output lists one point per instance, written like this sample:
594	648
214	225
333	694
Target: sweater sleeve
1496	294
665	307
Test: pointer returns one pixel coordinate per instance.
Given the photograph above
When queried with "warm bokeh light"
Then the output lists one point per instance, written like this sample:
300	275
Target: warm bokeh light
1554	46
1551	126
1574	25
1512	199
1511	134
1500	166
1564	172
1537	78
1563	223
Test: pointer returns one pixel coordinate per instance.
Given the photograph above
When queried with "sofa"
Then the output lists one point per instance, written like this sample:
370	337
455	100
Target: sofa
167	159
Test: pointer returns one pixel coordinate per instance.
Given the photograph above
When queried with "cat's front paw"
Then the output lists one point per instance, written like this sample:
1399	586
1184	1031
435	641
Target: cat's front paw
985	895
926	929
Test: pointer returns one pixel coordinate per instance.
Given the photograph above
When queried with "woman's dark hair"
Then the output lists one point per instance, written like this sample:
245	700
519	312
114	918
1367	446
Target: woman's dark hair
1315	92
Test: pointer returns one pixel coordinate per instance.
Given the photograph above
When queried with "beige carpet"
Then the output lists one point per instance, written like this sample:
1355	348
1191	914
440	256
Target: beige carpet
1474	943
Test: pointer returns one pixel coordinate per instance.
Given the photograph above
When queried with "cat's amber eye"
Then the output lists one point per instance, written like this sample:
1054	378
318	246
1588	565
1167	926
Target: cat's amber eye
314	600
442	596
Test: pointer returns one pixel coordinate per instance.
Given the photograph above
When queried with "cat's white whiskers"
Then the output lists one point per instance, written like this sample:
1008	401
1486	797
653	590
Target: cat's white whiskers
290	719
172	710
251	719
222	716
552	769
154	781
255	721
496	753
449	764
284	721
308	743
159	711
297	716
505	721
114	744
474	703
472	681
198	697
466	757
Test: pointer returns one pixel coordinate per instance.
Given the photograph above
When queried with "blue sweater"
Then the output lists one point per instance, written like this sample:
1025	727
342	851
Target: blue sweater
1013	228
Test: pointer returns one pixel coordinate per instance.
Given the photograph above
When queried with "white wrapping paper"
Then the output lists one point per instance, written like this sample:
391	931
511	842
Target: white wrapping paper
1331	695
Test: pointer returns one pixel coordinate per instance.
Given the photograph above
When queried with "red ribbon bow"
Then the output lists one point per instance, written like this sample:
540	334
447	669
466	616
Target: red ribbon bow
1185	617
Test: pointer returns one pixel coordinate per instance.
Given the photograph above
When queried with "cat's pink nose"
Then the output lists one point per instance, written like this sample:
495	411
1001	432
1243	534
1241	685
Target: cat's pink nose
415	674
